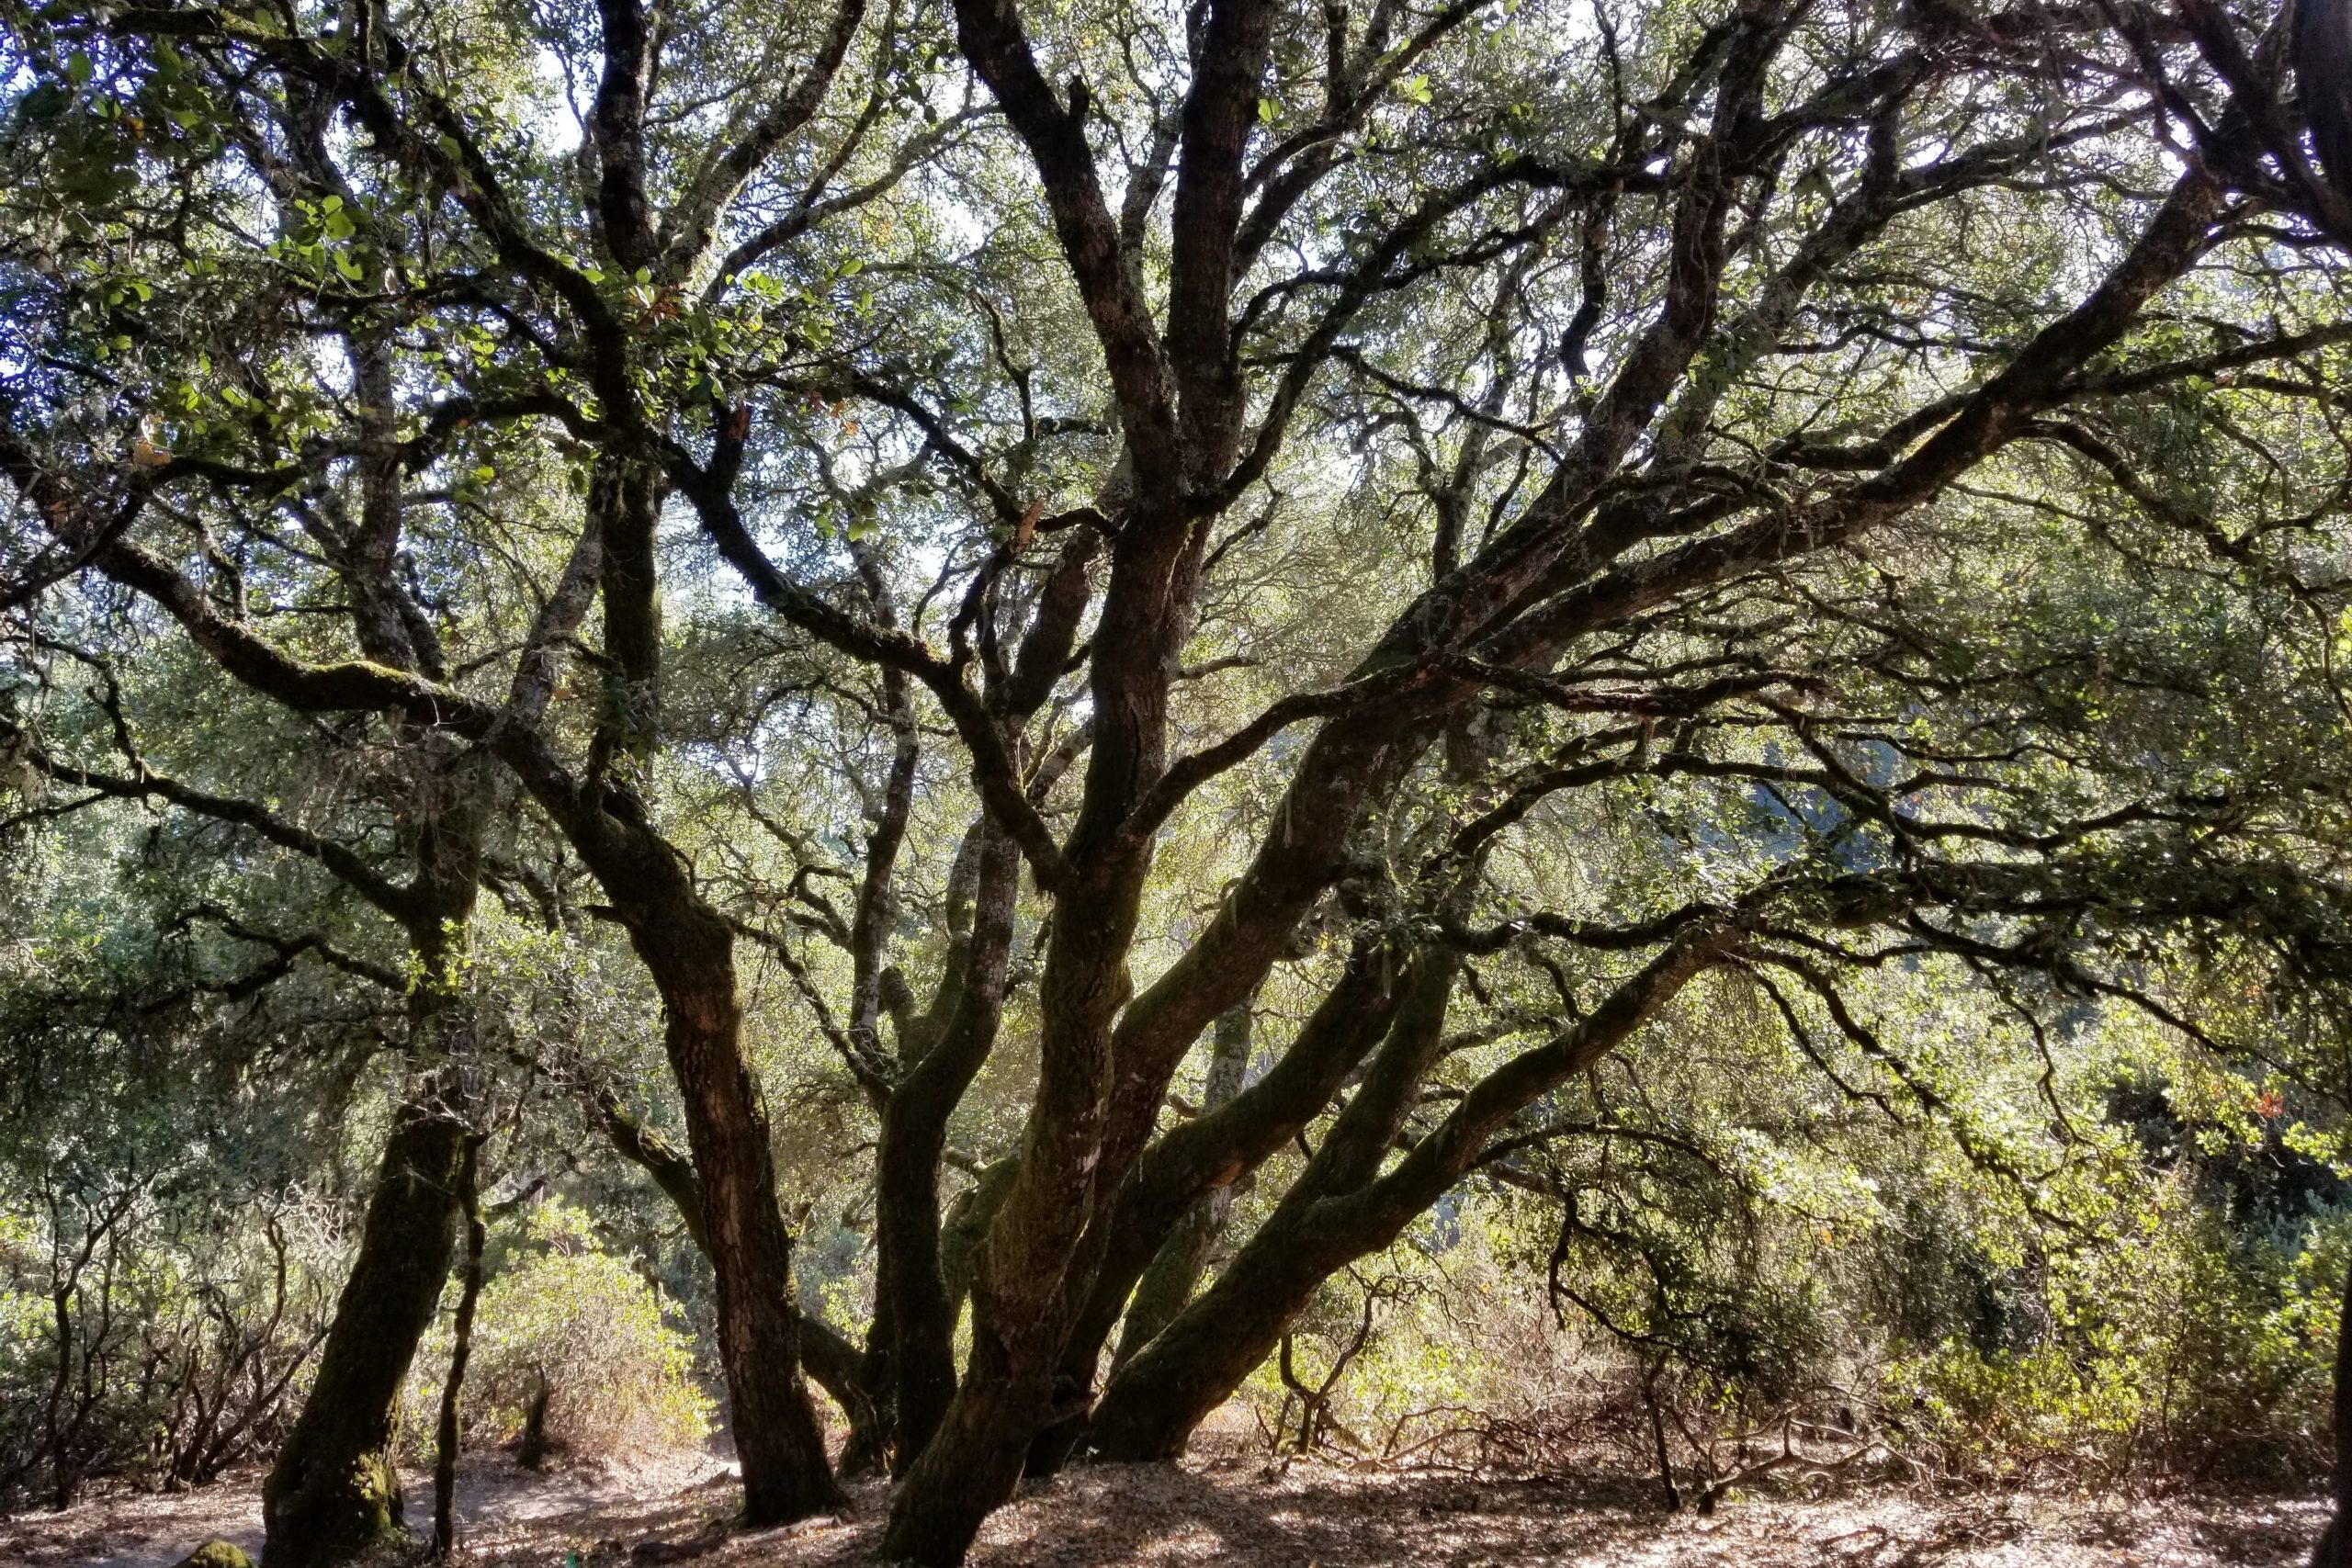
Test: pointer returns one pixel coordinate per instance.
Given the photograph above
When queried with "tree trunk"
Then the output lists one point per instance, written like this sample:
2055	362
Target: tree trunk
1200	1358
1216	1149
913	1302
836	1364
973	1461
1168	1284
1018	1320
531	1454
1035	1246
688	949
2332	1551
461	1346
782	1448
334	1492
1162	1227
1344	1206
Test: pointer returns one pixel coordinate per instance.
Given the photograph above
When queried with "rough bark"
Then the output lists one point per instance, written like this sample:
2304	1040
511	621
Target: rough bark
1213	1151
625	498
461	1346
1175	1271
688	949
2324	76
1019	1318
1339	1211
333	1492
974	1458
777	1438
1156	1235
836	1365
922	1311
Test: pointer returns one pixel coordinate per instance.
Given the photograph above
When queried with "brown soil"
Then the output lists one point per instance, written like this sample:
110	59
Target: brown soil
1230	1509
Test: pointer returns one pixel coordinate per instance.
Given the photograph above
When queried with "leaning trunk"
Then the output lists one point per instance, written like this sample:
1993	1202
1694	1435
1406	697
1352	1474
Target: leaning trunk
1177	1250
831	1360
1213	1151
334	1493
1196	1361
1345	1206
914	1309
1168	1284
776	1435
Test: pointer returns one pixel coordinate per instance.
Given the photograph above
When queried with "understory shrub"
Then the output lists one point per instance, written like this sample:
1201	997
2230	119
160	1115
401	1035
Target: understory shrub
559	1308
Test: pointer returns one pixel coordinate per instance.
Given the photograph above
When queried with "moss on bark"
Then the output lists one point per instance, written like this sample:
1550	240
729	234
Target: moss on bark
217	1554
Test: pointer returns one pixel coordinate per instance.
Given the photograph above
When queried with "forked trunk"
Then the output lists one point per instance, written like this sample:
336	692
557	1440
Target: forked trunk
1346	1206
1193	1365
1161	1287
1019	1321
973	1461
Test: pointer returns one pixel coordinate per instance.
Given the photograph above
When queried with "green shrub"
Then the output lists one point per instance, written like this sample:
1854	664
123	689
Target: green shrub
619	1370
2191	1346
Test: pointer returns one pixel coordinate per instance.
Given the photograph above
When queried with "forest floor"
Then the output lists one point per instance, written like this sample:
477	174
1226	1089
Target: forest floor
1229	1509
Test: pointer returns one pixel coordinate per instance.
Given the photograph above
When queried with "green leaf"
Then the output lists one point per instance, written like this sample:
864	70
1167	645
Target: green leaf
78	69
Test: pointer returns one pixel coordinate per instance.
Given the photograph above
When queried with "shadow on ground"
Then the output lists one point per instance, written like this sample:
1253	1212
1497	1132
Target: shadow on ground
1234	1511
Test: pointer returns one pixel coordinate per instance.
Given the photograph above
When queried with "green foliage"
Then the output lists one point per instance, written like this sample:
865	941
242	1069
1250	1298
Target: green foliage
618	1369
2193	1348
1981	798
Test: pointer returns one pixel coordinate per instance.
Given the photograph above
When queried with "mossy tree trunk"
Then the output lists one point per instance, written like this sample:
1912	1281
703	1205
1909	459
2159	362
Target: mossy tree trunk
334	1492
830	1359
1209	1154
1176	1249
1346	1206
1175	1271
786	1475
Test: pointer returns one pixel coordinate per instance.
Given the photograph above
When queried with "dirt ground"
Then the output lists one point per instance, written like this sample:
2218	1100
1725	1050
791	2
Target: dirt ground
1228	1509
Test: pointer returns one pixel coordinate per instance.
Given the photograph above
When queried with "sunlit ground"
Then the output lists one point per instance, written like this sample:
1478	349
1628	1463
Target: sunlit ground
1227	1507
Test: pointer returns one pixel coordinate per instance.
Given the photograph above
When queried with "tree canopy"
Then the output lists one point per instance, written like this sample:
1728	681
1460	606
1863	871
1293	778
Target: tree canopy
1071	668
